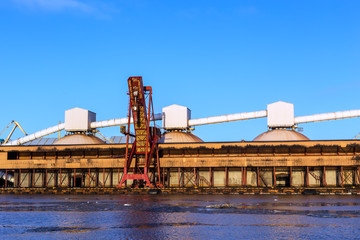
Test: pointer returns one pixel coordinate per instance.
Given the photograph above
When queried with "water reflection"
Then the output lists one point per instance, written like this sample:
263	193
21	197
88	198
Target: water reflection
179	216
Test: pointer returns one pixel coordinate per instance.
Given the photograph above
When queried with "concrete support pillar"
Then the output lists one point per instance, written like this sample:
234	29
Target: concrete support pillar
33	178
118	178
103	183
82	178
244	178
89	177
307	177
257	177
6	178
69	178
168	177
179	176
74	178
29	173
290	182
46	177
56	178
19	182
163	176
274	177
324	177
60	179
40	178
195	178
97	178
111	181
226	177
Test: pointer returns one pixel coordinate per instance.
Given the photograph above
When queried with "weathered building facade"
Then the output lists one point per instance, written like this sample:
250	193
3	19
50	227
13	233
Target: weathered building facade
186	165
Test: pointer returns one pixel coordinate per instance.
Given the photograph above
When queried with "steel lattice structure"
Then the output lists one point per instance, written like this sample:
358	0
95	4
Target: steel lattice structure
144	151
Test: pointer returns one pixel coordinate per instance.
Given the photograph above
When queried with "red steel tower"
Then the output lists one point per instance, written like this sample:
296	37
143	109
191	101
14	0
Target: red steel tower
142	156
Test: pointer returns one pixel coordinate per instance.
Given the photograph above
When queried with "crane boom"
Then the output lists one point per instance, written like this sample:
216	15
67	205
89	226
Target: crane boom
138	108
16	124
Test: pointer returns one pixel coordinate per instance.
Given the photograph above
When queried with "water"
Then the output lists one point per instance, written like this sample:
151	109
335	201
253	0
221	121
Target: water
179	217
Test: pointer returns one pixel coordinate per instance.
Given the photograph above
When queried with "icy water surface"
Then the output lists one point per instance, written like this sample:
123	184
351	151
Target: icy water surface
179	217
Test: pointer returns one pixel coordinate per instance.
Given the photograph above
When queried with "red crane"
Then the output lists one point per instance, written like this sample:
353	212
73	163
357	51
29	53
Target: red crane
143	155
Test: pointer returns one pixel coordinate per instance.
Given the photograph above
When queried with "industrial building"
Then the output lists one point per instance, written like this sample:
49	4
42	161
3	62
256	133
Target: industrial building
279	160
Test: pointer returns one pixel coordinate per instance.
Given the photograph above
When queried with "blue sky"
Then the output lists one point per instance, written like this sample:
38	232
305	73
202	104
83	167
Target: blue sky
215	57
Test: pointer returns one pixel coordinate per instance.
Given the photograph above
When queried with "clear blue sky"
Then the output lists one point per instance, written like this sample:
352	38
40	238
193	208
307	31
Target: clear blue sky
215	57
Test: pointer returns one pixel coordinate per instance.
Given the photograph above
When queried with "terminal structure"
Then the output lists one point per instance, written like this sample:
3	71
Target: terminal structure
278	160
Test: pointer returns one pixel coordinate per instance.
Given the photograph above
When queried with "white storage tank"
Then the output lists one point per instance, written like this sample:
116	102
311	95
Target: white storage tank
78	120
176	117
280	114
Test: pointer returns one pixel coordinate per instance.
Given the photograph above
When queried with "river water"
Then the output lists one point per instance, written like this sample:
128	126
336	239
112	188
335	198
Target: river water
179	217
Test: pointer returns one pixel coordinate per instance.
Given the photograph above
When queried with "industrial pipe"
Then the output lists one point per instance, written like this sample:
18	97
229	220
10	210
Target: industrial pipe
93	125
327	116
227	118
194	122
110	123
38	134
119	121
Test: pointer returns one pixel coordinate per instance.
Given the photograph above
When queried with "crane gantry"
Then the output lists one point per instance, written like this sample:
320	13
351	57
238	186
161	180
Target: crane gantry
142	156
